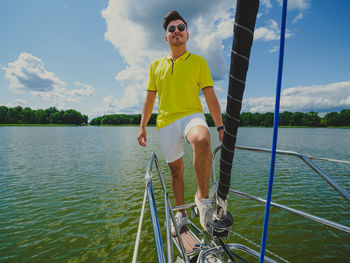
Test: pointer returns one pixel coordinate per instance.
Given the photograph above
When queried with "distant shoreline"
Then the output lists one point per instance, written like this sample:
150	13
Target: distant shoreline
136	125
40	125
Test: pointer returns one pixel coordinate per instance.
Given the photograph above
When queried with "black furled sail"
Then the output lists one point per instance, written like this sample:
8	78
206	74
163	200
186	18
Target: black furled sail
246	12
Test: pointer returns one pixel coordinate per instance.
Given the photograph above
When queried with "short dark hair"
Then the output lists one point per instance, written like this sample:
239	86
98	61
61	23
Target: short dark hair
171	16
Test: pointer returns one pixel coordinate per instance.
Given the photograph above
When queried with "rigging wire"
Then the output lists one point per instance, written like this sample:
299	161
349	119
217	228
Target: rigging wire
275	133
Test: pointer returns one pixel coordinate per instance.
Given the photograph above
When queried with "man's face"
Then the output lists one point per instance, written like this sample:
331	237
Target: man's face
176	38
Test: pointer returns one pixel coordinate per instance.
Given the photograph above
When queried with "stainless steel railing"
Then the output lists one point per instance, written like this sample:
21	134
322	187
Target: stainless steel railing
204	253
154	217
308	161
169	214
314	167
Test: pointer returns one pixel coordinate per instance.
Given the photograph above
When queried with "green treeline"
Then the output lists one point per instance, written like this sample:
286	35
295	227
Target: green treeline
310	119
18	115
120	119
286	118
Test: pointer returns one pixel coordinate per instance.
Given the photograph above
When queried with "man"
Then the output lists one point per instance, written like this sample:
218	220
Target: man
178	78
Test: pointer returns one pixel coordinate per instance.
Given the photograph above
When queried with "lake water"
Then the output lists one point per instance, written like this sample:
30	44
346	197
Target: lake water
74	194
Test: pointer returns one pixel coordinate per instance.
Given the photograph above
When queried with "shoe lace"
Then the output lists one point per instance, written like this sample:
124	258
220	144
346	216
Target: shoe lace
206	202
178	218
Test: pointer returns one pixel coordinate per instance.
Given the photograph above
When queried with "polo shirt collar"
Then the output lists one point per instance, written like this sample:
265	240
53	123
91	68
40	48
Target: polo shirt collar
184	56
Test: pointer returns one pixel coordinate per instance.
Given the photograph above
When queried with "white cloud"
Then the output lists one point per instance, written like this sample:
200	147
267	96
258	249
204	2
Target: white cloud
112	105
208	33
108	101
271	32
219	90
298	4
10	105
262	104
61	96
298	17
18	102
21	102
86	90
28	74
274	49
305	98
266	3
266	33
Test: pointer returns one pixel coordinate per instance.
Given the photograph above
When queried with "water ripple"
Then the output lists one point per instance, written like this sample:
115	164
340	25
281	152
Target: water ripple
75	194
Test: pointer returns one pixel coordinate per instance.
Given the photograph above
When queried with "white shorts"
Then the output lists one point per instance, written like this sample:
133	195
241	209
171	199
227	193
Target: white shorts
172	136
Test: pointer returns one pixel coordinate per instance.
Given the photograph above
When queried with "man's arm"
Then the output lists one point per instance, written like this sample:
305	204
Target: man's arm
146	114
214	108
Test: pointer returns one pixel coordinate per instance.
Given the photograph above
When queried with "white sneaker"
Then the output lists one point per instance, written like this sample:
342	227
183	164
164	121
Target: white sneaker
204	206
180	222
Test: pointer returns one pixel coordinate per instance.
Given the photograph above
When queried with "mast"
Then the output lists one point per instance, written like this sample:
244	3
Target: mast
246	12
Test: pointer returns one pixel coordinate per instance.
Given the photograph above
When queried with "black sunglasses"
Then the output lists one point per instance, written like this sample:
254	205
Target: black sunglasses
180	27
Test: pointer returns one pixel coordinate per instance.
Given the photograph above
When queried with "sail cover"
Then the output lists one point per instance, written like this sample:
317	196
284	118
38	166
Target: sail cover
245	18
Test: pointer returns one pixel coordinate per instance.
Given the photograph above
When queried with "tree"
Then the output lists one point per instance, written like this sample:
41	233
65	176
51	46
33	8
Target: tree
96	121
28	115
209	120
72	117
297	119
3	114
246	119
13	116
286	118
18	115
331	119
153	119
135	119
311	119
257	119
124	119
85	119
344	118
40	117
57	117
49	114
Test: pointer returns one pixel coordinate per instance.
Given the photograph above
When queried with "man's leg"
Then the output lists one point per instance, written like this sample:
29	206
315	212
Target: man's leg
199	138
177	182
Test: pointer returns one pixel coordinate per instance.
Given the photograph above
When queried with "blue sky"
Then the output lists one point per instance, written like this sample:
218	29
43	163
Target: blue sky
93	56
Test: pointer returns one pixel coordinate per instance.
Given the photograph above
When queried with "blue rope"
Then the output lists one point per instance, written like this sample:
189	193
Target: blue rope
155	224
275	132
245	261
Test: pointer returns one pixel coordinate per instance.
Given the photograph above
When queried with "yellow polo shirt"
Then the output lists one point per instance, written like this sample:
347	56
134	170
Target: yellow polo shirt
178	84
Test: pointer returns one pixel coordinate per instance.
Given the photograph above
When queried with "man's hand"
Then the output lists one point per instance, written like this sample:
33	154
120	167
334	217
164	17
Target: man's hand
146	114
221	135
142	137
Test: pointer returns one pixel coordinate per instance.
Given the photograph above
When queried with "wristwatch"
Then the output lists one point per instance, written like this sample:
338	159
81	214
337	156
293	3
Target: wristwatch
220	128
